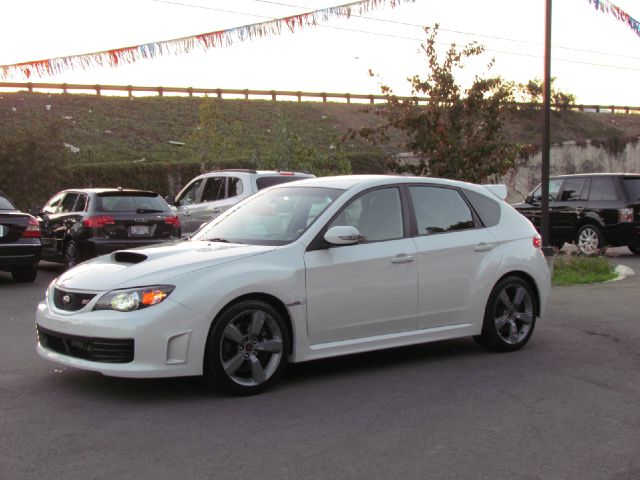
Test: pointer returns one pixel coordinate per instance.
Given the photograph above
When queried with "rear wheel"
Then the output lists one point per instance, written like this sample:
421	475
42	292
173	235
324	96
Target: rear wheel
23	275
509	316
71	255
589	240
246	348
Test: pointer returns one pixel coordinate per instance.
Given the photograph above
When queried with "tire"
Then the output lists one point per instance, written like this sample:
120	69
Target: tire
589	240
71	255
635	249
509	317
246	348
25	275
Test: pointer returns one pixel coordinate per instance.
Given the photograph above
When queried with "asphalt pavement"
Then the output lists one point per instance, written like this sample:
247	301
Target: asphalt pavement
567	406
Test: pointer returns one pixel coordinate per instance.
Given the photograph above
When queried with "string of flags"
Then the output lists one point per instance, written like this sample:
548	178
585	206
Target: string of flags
183	45
606	6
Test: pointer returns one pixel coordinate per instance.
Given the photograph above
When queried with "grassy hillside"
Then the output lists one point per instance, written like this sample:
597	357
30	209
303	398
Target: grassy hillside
117	129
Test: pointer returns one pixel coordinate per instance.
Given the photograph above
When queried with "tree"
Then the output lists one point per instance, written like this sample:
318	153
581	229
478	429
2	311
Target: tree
214	140
533	91
458	133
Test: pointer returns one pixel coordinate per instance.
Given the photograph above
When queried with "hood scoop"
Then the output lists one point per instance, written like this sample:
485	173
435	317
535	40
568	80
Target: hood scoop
128	257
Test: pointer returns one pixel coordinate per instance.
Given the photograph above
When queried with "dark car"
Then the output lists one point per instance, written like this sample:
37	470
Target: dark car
593	210
80	224
19	242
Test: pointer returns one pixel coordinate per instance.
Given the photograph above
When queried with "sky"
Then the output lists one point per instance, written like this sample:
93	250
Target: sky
594	56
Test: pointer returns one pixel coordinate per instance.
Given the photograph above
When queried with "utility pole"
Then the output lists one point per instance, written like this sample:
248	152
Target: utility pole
546	132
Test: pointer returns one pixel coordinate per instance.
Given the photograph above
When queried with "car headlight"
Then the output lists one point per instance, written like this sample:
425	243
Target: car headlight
130	299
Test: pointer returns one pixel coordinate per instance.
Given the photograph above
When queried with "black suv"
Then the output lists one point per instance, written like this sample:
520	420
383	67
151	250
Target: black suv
80	224
593	210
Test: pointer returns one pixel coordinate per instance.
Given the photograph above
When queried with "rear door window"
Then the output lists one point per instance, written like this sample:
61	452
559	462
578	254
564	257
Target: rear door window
214	189
440	210
234	187
575	189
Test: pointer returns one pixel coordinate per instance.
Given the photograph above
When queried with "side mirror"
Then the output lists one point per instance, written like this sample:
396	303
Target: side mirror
342	235
170	199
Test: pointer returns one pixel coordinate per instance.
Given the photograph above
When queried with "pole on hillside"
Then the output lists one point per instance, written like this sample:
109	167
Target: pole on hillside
546	131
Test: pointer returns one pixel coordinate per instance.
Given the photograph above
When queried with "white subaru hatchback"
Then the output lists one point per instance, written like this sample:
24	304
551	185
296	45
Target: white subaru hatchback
305	270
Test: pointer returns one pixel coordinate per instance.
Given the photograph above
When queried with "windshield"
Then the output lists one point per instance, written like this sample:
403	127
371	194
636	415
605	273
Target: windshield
274	217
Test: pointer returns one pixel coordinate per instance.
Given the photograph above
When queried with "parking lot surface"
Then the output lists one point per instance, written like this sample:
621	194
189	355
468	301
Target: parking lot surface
564	407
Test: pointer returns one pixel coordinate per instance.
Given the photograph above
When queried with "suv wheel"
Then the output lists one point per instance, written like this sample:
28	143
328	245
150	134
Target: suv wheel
589	240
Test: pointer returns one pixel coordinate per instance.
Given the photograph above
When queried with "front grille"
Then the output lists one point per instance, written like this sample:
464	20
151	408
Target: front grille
104	350
71	301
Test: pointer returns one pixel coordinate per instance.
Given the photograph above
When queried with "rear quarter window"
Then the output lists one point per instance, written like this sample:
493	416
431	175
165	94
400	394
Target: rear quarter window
487	209
5	204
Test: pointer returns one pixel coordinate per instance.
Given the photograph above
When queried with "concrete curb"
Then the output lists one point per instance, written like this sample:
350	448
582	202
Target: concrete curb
622	272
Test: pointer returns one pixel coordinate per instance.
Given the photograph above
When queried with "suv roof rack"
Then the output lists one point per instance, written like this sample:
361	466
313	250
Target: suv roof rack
245	170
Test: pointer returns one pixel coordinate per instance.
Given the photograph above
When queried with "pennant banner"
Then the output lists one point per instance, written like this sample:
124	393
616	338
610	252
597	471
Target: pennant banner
606	6
179	46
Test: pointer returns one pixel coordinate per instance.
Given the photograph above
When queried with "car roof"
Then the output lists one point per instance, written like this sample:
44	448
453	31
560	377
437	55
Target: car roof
345	182
258	172
108	190
598	174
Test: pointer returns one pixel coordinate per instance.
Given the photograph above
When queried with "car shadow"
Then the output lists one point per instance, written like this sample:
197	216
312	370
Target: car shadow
302	376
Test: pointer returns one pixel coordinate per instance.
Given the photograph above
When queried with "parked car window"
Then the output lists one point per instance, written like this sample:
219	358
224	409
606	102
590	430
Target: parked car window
189	196
81	204
5	204
213	189
68	203
234	187
130	203
487	209
52	205
602	188
632	186
376	214
554	188
440	210
574	189
270	181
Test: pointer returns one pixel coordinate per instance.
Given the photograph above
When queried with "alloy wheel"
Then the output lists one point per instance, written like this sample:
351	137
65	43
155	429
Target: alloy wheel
513	314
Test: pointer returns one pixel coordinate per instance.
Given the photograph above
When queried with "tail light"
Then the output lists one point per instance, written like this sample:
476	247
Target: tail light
174	221
32	230
287	174
98	221
537	242
625	215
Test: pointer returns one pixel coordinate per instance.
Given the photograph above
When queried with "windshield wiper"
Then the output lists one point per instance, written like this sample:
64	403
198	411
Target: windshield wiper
148	210
222	240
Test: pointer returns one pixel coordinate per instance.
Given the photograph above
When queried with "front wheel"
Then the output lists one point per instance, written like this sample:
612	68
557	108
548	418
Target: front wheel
589	240
247	348
509	316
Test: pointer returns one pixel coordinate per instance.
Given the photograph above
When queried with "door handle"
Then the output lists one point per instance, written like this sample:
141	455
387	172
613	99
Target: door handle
483	247
402	258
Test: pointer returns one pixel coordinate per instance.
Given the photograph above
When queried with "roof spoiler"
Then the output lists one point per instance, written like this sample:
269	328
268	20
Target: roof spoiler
498	189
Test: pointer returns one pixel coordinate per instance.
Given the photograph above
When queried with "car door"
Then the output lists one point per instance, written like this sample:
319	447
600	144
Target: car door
369	288
58	218
569	209
532	209
457	258
186	202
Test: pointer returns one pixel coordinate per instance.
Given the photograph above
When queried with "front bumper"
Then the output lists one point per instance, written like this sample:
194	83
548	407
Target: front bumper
166	340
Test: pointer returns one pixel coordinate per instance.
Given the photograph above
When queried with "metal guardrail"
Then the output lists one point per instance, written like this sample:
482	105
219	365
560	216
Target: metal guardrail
274	95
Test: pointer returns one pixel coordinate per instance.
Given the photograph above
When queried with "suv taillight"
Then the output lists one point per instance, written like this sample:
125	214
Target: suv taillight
625	215
98	221
174	221
32	230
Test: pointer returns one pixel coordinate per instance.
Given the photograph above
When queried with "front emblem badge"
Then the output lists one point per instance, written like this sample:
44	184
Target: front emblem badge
66	299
